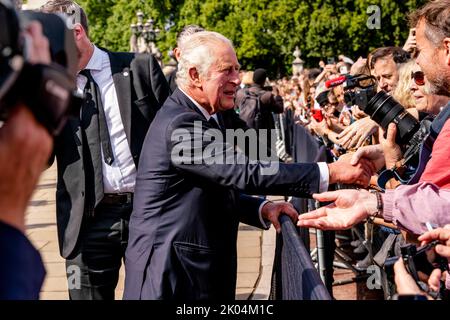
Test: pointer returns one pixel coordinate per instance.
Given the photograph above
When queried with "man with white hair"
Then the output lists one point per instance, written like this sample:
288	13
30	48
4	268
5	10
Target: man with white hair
189	195
182	37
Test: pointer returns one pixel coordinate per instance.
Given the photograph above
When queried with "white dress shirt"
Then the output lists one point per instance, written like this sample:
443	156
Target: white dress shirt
120	176
323	167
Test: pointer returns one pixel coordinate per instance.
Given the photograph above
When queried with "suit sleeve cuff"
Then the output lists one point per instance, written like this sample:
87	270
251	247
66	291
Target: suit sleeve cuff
264	223
324	176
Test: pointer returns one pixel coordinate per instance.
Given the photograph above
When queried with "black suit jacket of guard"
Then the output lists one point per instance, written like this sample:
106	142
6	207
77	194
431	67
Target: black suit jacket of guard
141	90
183	229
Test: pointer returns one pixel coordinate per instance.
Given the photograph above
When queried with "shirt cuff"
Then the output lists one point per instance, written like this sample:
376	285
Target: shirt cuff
324	176
388	205
265	224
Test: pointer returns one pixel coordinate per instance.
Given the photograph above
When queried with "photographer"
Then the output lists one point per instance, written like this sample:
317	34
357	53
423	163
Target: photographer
25	146
257	105
384	63
269	102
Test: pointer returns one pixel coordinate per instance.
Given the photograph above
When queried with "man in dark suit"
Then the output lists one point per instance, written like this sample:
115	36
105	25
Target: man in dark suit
189	189
98	155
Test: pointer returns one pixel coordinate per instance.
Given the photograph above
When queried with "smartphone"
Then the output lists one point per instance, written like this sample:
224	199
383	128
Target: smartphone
317	114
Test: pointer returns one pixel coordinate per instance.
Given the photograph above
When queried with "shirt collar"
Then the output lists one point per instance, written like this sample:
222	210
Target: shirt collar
202	110
95	63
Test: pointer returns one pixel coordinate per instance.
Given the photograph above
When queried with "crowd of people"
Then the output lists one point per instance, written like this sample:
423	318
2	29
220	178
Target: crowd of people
145	173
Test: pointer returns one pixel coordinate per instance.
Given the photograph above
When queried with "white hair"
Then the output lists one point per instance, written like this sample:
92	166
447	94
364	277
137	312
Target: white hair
198	52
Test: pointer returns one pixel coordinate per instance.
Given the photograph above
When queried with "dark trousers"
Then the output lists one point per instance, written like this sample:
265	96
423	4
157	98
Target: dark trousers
102	245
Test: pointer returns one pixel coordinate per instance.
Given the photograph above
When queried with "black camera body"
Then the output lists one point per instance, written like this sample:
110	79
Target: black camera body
417	260
360	90
48	90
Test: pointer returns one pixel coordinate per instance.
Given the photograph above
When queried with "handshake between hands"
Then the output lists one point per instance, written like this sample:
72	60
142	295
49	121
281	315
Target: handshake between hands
350	169
350	206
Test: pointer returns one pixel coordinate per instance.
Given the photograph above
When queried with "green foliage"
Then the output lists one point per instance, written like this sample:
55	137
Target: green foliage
264	32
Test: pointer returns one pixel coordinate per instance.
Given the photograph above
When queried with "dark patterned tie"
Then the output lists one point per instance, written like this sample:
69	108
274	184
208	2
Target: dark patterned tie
213	122
94	124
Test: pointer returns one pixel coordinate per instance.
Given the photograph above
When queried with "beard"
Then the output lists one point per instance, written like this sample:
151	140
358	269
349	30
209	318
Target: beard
440	84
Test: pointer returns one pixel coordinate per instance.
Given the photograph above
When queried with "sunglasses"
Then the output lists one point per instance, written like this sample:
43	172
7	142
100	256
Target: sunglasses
419	78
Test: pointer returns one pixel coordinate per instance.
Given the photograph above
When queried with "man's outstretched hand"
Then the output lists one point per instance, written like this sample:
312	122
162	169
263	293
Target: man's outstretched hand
349	207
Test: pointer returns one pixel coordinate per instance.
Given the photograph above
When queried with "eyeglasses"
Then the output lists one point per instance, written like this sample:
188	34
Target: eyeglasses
419	78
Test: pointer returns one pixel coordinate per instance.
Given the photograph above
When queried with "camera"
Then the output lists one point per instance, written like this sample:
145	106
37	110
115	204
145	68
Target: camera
360	90
418	260
48	90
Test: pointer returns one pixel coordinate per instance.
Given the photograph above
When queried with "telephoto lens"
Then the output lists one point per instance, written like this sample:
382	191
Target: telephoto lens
384	109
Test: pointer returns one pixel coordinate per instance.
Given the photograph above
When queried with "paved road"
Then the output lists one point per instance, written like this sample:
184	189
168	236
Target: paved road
41	229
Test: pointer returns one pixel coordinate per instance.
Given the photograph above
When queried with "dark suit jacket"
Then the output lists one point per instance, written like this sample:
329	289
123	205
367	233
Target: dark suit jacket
141	90
183	228
21	269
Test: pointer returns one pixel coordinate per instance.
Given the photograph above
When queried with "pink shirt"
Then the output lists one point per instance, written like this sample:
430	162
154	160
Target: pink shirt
436	170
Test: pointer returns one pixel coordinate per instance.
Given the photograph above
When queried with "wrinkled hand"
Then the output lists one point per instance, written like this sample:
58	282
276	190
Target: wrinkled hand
349	207
434	281
404	281
271	211
373	153
441	234
345	118
331	68
357	113
358	66
357	133
333	122
411	43
320	128
344	172
391	150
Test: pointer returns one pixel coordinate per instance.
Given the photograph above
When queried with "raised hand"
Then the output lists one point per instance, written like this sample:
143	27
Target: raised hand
357	133
391	150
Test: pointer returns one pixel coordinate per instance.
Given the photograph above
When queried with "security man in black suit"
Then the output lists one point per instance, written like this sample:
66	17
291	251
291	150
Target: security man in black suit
98	155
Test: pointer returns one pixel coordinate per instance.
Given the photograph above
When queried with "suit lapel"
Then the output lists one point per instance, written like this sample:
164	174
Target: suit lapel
122	83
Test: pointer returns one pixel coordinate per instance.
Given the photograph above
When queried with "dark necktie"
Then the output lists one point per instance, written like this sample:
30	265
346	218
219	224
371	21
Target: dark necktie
213	122
92	86
94	126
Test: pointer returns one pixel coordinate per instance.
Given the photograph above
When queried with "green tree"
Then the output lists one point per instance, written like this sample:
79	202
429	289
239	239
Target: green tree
264	32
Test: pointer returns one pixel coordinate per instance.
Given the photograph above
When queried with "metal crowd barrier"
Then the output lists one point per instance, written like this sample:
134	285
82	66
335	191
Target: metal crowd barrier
300	280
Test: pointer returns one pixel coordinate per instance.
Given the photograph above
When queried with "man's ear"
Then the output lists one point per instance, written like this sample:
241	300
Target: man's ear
447	50
177	53
78	31
194	76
